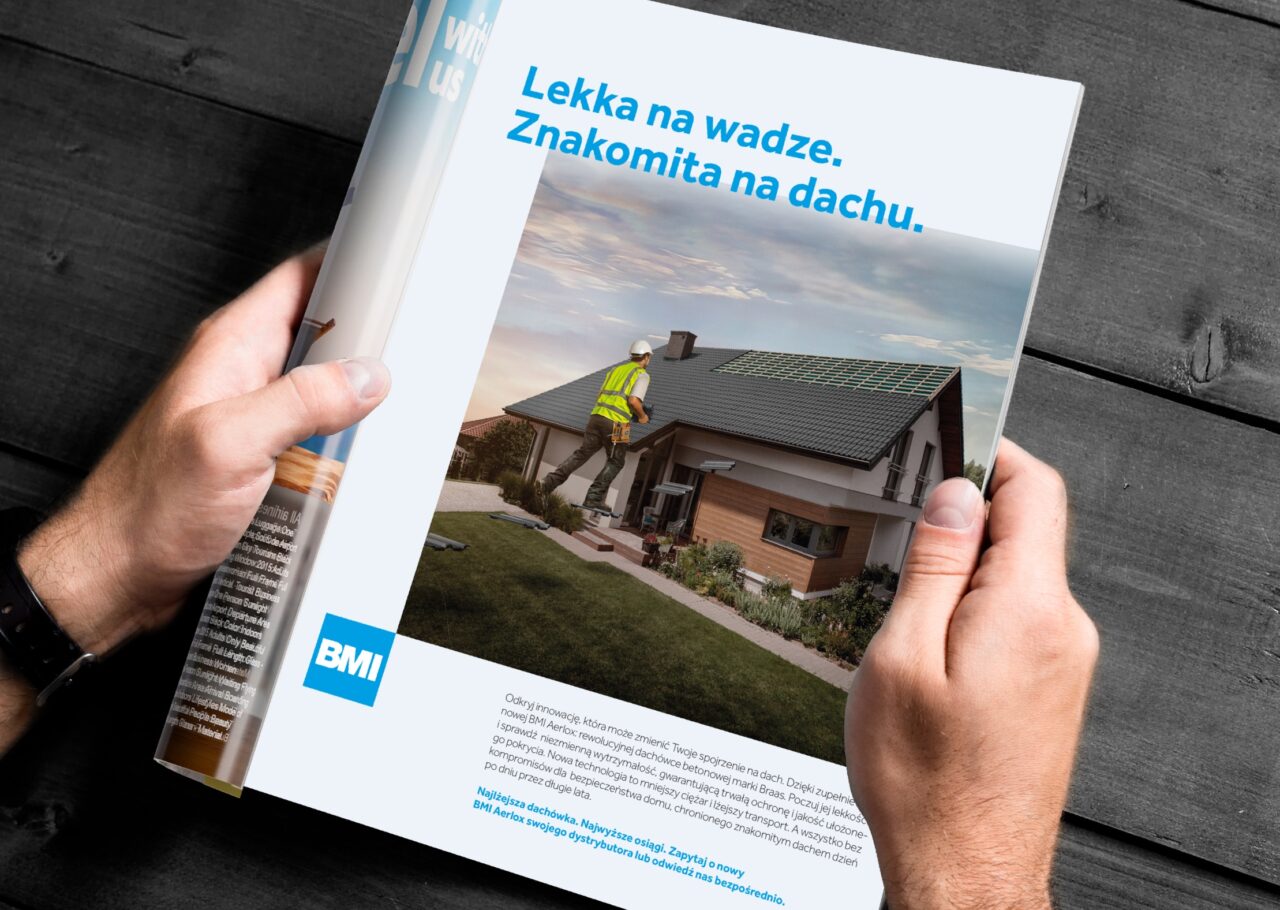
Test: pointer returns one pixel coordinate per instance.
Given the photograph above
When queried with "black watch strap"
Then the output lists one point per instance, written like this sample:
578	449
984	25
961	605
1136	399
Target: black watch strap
30	639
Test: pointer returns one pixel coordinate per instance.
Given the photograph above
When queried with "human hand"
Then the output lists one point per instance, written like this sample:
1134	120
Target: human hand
180	485
964	716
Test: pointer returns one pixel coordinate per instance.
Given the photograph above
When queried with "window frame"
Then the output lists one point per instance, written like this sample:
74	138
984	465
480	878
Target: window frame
897	466
815	534
922	477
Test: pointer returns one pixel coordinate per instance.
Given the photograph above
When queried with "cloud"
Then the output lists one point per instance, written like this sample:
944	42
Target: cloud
967	354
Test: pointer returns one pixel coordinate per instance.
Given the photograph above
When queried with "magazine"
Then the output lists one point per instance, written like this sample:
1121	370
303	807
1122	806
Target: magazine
686	316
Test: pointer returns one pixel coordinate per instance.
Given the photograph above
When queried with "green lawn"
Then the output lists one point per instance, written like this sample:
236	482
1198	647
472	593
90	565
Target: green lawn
520	599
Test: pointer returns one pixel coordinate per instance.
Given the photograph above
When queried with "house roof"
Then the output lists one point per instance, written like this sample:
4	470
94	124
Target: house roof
843	409
474	429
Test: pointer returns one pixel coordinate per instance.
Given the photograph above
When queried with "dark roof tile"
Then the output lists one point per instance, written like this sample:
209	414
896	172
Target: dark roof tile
709	390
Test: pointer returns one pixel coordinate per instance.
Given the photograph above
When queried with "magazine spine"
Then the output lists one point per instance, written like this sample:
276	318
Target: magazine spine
234	660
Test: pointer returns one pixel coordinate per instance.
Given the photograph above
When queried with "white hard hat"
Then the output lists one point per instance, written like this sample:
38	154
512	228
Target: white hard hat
640	348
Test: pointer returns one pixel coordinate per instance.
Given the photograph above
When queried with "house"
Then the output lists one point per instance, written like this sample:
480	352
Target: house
830	457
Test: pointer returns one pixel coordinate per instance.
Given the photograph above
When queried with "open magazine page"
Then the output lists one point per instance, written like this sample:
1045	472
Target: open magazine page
830	252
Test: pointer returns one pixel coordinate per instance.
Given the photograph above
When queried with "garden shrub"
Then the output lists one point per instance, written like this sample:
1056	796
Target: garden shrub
560	514
510	483
724	585
690	561
724	556
879	574
529	497
783	617
851	611
776	587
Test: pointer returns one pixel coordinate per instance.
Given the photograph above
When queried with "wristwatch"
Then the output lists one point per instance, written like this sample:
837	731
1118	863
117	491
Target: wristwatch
31	641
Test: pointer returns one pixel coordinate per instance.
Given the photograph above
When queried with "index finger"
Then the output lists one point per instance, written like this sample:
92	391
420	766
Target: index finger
265	317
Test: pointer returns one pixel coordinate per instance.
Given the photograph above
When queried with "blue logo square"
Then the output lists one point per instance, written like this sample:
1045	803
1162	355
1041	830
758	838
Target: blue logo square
349	660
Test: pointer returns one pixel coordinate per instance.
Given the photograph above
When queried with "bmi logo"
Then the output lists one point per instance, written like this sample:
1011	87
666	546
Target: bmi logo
349	660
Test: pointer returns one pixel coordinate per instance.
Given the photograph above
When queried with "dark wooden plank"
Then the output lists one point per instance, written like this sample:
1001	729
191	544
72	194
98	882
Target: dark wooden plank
1176	522
319	64
1262	10
120	230
1099	869
24	482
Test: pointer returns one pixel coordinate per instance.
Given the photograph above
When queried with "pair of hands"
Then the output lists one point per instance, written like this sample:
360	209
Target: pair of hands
963	718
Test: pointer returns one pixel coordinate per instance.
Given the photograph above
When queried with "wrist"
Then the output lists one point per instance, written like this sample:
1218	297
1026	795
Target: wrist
987	885
76	570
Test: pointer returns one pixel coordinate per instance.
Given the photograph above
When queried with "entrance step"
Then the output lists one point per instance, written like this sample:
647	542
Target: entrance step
625	545
594	539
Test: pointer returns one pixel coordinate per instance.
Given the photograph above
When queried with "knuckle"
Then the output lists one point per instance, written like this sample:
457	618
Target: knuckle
207	327
1062	632
306	388
931	557
1053	484
881	658
890	659
201	438
1088	641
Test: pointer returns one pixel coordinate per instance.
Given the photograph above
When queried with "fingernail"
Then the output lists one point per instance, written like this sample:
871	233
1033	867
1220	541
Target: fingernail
367	376
954	504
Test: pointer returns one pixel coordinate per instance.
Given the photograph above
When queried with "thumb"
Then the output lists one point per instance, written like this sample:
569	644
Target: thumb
940	563
318	399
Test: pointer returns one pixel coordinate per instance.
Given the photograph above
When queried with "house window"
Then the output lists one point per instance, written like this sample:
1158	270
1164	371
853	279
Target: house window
801	534
922	479
897	466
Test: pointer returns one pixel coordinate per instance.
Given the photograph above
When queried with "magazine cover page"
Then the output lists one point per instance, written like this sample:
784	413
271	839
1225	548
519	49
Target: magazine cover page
702	312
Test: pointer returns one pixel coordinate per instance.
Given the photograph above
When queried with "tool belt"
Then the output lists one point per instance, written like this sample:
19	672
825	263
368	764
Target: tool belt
621	433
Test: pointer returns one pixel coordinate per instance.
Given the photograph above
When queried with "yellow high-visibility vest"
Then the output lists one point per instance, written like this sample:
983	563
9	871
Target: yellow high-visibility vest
617	385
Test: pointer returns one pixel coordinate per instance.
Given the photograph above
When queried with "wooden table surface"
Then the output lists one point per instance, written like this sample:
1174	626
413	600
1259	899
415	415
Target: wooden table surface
155	157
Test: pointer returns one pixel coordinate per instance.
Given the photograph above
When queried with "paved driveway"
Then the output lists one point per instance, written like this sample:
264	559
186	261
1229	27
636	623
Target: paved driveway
461	496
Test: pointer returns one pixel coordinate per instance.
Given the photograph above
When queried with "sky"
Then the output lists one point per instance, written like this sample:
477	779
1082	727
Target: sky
610	255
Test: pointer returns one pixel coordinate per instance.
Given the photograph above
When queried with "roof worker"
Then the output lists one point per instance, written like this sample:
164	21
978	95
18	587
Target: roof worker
620	400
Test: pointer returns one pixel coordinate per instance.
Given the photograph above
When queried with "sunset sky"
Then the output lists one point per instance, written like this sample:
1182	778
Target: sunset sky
609	256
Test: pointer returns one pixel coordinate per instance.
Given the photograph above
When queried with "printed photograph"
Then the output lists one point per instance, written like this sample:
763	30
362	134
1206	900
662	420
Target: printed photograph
699	442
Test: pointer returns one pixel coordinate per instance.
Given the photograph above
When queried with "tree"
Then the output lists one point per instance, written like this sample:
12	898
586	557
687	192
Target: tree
503	448
975	472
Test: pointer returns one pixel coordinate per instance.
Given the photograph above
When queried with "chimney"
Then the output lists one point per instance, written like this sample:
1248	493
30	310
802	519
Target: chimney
680	345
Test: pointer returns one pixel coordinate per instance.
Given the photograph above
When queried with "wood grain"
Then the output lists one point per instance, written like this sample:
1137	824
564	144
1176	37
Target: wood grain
316	64
729	509
24	482
1100	870
1176	534
1262	10
119	232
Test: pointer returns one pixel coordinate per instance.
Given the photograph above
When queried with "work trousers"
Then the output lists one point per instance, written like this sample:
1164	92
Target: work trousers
595	438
